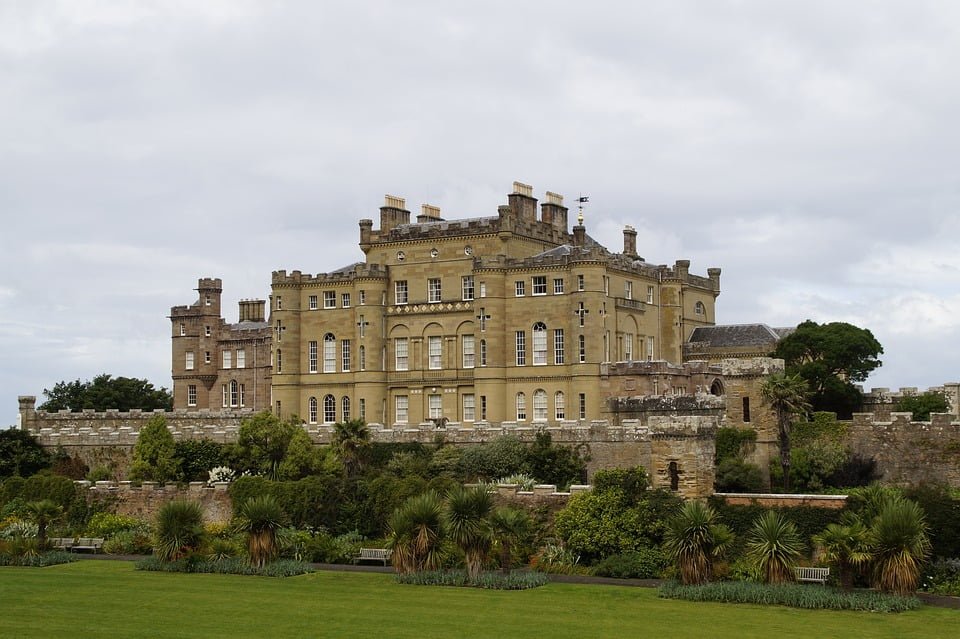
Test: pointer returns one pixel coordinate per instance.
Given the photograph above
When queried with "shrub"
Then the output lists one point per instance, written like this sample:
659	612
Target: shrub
737	476
942	577
793	595
153	454
504	455
554	463
234	566
559	560
646	563
99	473
693	540
900	546
21	454
631	482
179	530
731	443
488	580
39	560
773	546
128	542
109	524
194	457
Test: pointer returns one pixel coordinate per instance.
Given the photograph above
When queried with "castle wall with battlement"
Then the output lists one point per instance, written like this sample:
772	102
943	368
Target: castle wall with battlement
882	402
909	452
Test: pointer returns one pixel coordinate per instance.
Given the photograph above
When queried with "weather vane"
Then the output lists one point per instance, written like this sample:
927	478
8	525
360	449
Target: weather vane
580	202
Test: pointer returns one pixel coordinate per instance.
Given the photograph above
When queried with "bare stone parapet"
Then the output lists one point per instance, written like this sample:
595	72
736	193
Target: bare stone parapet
360	270
749	366
882	401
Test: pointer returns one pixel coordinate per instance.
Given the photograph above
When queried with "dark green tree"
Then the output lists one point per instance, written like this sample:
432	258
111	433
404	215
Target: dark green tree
831	358
351	442
262	444
153	454
20	454
923	404
106	391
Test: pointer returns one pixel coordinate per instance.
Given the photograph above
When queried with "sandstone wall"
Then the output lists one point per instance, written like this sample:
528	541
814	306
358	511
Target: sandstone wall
145	501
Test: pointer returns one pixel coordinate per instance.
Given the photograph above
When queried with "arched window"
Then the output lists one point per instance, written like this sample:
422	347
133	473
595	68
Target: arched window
329	409
539	344
329	353
560	405
363	358
716	388
345	408
312	410
521	407
540	405
700	309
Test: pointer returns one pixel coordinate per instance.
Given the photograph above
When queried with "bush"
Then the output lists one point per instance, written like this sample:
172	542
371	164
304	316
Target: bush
40	560
108	524
737	476
179	530
128	542
793	595
503	456
731	443
942	577
631	482
231	566
646	563
153	454
488	580
194	457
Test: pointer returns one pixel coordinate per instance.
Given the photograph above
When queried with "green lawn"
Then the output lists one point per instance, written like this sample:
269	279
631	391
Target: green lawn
111	599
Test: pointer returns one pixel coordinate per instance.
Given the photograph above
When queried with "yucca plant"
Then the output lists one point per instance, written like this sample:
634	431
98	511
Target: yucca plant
415	534
261	518
773	547
900	546
179	530
845	546
509	525
467	522
43	513
693	539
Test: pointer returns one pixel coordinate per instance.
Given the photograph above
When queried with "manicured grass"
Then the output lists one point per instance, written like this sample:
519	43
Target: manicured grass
111	599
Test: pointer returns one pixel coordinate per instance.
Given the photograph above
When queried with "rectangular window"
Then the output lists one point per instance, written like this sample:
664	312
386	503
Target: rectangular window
558	346
434	293
628	290
483	319
329	354
539	345
227	359
279	302
344	300
582	345
400	350
434	352
483	407
483	289
469	408
539	284
206	357
363	406
540	406
280	330
345	409
329	299
206	331
312	410
560	406
363	300
606	285
649	348
521	348
363	327
521	407
583	406
402	408
520	288
582	313
312	302
628	347
467	287
279	407
241	358
580	283
234	394
183	329
558	286
188	364
649	295
192	395
400	292
279	361
435	404
312	356
345	355
483	352
225	396
469	352
243	393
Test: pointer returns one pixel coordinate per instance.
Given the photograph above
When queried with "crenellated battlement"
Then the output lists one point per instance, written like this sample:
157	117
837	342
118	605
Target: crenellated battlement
751	366
359	271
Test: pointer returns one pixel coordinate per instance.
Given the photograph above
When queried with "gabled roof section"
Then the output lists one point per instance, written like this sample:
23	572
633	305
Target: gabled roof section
346	270
735	335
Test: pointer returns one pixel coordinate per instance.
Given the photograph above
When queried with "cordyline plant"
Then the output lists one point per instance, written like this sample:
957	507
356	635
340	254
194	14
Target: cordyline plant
900	546
694	540
415	534
467	522
179	530
773	547
261	518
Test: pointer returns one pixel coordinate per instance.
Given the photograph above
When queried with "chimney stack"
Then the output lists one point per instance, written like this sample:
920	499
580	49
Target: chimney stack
393	213
629	241
429	213
554	212
523	203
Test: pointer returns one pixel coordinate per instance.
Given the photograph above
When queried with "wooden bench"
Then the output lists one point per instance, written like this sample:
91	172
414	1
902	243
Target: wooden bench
374	554
62	543
93	544
807	573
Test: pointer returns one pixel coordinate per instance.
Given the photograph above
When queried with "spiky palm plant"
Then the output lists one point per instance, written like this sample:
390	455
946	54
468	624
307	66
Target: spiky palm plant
509	525
414	536
900	546
467	522
261	518
787	396
43	513
846	546
351	441
179	530
691	541
773	547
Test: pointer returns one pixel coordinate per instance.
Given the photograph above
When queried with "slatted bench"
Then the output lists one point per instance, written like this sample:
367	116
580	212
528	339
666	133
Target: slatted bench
62	543
815	575
93	544
374	554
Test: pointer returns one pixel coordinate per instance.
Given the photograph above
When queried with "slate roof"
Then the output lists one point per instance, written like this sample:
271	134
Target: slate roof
736	335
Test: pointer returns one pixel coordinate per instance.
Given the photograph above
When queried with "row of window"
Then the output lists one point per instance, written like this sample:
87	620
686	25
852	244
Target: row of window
329	300
227	359
469	407
330	409
233	395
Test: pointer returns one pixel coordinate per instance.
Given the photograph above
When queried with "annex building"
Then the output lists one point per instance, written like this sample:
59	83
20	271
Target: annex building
505	318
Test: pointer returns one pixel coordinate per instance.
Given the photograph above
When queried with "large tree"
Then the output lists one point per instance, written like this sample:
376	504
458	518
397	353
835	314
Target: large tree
106	391
21	454
831	358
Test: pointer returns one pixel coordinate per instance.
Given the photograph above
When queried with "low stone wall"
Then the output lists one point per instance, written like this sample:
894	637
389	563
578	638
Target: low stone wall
771	500
145	501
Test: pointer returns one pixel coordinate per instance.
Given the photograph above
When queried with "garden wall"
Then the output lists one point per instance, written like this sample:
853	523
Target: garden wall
145	501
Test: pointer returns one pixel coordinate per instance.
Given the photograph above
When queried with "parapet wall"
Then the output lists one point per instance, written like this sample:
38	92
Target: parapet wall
145	501
881	402
909	452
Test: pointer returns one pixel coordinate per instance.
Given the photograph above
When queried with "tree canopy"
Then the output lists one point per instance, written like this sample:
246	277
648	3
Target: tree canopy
21	454
106	391
923	404
831	358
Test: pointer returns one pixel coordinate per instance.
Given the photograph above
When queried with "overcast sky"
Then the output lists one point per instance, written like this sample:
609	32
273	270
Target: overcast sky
809	149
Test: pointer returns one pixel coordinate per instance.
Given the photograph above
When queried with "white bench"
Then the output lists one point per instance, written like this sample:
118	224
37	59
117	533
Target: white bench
93	544
817	575
62	543
374	554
